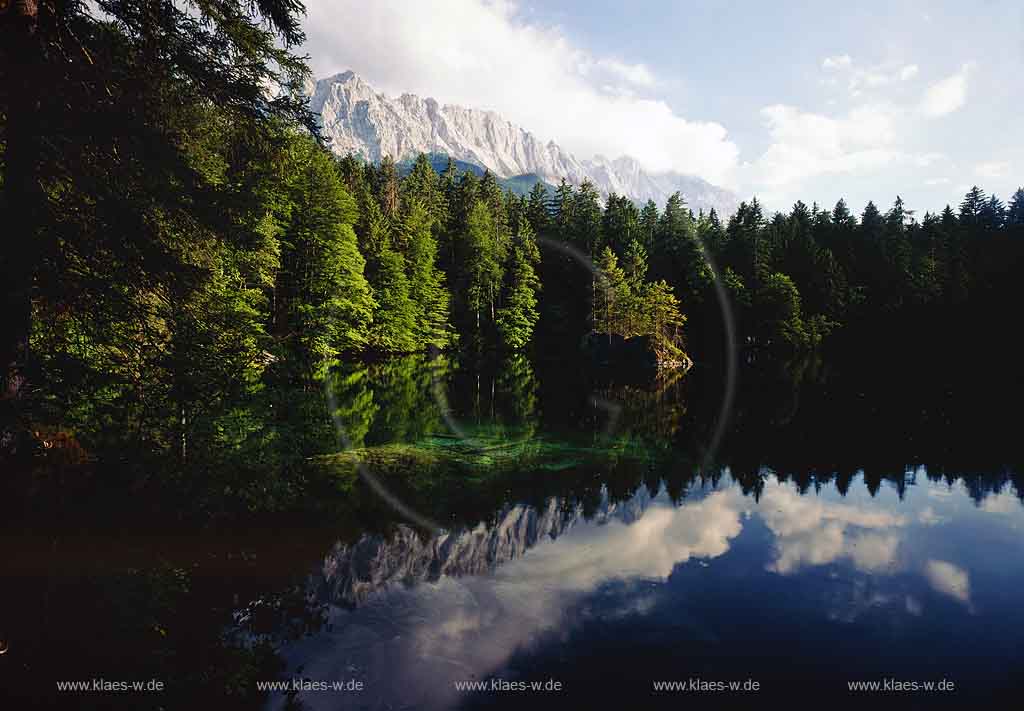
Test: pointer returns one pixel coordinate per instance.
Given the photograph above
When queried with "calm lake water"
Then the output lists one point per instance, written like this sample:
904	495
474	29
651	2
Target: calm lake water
518	522
842	531
798	591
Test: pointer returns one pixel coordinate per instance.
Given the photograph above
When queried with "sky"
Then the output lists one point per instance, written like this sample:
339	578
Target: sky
782	101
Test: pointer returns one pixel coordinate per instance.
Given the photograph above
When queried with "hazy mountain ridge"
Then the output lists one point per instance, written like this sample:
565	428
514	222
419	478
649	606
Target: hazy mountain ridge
358	119
353	572
518	184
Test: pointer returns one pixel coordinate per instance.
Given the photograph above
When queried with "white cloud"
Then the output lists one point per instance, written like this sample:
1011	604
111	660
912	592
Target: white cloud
806	145
1005	502
637	74
931	182
466	627
908	72
487	55
992	169
810	531
948	579
928	517
947	95
839	61
865	78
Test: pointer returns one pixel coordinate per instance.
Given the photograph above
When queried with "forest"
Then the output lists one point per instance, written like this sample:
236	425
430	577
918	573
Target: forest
183	243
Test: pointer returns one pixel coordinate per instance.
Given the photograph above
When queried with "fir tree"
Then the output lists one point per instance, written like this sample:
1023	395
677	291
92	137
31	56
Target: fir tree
649	217
972	207
324	302
481	270
538	211
427	289
1015	212
394	321
518	316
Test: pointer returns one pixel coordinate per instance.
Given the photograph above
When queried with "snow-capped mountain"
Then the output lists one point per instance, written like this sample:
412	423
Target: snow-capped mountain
359	120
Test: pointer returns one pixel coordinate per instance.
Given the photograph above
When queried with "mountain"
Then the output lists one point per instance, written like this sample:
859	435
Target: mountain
518	184
357	119
352	573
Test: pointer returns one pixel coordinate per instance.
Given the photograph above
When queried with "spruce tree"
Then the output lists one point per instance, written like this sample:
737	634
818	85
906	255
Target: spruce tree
648	224
324	302
611	295
427	290
538	211
518	315
480	269
972	207
1015	211
394	321
634	263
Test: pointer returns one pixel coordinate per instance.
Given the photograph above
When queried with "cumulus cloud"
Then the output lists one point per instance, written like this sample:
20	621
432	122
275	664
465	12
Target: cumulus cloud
406	639
489	56
948	579
806	144
810	531
947	95
637	74
1005	502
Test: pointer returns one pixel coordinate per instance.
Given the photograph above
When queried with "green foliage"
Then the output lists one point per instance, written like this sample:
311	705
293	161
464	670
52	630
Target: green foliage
427	290
627	306
324	303
481	274
394	325
517	317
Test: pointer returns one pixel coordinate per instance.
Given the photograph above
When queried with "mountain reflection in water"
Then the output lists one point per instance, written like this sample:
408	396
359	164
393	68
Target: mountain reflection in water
723	585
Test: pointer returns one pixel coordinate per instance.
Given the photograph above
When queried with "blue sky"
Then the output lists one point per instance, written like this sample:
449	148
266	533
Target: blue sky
779	100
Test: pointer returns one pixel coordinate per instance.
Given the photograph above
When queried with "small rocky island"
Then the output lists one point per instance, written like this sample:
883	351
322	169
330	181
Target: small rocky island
640	353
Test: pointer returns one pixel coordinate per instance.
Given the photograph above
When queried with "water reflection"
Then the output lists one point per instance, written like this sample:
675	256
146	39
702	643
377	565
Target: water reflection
523	593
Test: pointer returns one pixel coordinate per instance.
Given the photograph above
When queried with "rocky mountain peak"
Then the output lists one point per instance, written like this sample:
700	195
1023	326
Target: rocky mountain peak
356	119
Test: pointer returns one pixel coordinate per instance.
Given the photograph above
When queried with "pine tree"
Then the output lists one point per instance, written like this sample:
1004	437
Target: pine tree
323	299
517	318
585	229
660	308
611	295
423	185
564	205
538	212
385	187
649	217
481	270
1015	212
972	207
427	291
634	263
394	321
621	223
993	213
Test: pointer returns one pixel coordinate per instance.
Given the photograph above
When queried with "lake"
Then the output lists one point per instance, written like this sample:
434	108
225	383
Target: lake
520	533
848	529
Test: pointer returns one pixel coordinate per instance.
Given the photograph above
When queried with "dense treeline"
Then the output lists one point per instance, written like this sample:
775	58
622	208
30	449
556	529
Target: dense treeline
792	279
181	243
